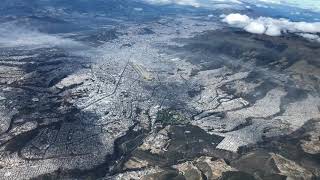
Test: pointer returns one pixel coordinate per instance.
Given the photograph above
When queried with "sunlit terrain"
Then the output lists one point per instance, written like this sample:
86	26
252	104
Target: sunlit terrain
160	89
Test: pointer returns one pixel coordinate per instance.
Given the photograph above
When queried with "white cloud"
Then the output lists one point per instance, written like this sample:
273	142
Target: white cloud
271	26
271	1
199	3
255	27
305	4
313	5
273	30
194	3
13	36
312	37
237	19
138	9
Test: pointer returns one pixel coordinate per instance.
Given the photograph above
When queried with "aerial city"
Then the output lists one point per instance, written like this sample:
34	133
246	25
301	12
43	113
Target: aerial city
159	90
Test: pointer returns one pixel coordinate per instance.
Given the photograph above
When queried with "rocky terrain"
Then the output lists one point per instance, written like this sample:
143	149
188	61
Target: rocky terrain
171	97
